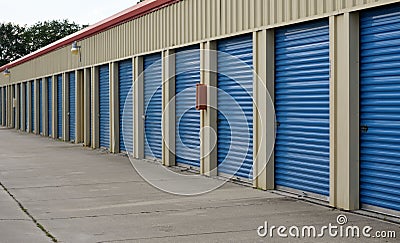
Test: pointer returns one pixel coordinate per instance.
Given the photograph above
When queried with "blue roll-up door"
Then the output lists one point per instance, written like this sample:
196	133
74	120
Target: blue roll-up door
13	108
33	105
104	106
26	107
5	105
380	108
187	139
302	107
59	106
50	106
125	106
40	107
235	106
21	125
1	106
153	105
71	107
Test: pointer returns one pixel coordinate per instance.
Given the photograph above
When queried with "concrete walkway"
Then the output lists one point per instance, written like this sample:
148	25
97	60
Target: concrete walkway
53	190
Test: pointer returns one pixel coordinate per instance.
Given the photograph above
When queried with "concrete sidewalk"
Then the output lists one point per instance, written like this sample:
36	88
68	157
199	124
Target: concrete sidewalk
81	195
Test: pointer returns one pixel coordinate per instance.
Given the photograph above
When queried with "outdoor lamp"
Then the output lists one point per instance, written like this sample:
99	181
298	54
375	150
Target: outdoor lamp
75	50
7	72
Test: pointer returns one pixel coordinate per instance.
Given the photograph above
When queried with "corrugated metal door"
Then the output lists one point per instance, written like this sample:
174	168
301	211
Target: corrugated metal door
235	106
49	105
26	107
40	107
71	108
5	106
187	148
125	106
13	108
104	106
33	105
302	108
21	126
153	106
59	106
380	108
1	106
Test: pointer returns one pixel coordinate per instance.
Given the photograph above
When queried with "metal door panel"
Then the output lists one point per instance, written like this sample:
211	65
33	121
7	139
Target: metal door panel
187	147
235	122
153	105
104	106
380	108
125	106
302	107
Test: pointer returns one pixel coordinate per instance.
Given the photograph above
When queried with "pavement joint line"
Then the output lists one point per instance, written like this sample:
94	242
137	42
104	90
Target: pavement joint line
151	212
72	185
2	220
181	235
117	195
41	227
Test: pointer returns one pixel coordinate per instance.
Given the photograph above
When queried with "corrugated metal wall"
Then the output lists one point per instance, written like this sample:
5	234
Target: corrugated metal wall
184	22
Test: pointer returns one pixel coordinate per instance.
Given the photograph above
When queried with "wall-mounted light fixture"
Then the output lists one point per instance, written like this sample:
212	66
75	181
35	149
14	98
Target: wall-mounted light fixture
7	72
76	50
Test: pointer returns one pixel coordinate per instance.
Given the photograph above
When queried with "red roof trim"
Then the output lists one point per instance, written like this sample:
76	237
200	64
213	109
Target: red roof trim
136	11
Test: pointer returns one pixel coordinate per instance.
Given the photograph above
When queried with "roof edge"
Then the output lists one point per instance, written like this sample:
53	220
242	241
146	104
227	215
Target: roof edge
128	14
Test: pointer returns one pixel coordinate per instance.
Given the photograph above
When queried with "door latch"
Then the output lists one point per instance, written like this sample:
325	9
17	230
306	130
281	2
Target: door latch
364	128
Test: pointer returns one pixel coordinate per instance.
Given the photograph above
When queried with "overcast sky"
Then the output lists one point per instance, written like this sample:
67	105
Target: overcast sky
82	12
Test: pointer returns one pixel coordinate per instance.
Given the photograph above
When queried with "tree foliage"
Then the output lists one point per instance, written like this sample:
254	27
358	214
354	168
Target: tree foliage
17	41
44	33
12	43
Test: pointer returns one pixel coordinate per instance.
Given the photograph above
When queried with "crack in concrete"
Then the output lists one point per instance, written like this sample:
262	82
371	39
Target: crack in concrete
151	212
41	227
180	235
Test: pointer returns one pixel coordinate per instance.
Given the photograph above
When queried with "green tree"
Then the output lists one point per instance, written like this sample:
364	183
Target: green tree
42	34
12	43
17	41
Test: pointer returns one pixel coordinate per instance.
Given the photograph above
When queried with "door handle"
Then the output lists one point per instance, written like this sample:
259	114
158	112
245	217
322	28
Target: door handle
364	128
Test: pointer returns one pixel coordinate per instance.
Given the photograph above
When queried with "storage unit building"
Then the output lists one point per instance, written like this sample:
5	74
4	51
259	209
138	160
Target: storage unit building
306	97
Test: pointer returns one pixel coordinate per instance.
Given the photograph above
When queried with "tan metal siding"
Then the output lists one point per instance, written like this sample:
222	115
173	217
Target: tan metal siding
182	23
